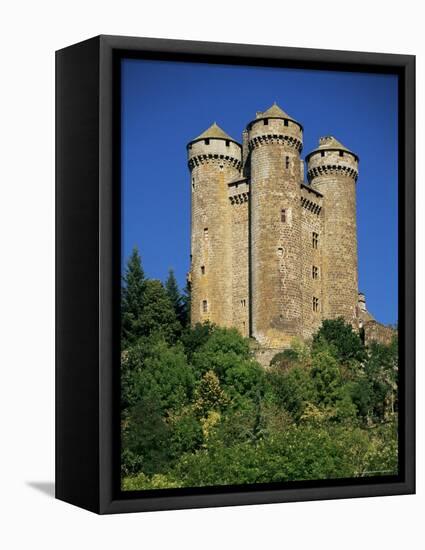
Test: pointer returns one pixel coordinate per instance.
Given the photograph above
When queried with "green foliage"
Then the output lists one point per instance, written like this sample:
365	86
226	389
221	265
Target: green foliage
197	409
285	359
186	303
344	342
175	297
132	298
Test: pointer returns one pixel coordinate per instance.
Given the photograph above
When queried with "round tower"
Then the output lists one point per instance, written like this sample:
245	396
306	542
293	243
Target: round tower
214	160
275	143
332	169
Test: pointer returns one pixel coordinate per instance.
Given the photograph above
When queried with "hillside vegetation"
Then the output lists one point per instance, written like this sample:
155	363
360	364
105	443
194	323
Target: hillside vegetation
197	409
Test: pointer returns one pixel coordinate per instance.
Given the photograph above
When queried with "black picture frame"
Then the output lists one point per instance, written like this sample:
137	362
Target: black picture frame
88	272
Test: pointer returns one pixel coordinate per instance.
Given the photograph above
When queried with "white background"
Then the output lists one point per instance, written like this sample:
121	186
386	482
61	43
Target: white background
30	32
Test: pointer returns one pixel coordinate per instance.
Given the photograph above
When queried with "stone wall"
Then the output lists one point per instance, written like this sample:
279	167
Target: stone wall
311	222
275	231
213	165
334	176
376	332
239	205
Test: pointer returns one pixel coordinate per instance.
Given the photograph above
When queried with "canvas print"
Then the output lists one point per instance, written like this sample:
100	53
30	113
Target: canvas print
259	307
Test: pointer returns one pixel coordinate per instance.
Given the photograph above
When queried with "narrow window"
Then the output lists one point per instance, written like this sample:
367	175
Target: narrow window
193	184
266	121
283	215
243	303
205	233
203	269
287	162
207	141
285	123
227	143
315	272
280	251
322	153
315	240
204	306
341	153
315	304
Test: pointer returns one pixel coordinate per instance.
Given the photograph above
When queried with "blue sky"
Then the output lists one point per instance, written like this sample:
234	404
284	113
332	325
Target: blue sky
166	104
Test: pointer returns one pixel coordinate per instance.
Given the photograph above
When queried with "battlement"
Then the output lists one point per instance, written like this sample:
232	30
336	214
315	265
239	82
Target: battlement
238	191
311	199
331	158
214	147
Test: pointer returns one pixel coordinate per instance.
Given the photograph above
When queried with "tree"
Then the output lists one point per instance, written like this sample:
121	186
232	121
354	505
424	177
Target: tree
173	292
186	304
158	315
132	298
345	343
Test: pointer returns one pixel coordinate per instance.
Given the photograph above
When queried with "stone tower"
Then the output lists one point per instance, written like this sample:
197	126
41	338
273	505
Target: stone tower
275	143
272	255
214	160
333	171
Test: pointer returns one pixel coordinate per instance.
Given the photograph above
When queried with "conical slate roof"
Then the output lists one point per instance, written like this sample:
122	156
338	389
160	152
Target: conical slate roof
330	143
214	131
274	112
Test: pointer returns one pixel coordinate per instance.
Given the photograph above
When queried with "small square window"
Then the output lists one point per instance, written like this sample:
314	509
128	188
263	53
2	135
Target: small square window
266	122
227	143
207	141
322	153
341	153
285	123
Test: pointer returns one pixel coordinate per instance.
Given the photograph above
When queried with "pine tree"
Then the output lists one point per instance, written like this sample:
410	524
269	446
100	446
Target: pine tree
173	292
186	301
132	299
158	313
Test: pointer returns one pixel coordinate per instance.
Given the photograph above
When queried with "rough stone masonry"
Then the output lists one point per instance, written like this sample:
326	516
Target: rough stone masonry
272	255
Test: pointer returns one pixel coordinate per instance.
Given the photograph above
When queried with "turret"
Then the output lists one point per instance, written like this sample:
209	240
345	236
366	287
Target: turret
332	169
275	143
214	159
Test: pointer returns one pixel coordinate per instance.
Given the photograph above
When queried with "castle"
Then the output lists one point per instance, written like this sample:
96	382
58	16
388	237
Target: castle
272	255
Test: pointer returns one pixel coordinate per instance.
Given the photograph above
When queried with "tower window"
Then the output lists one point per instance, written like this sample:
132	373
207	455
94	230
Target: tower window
206	233
287	162
193	184
315	304
341	153
207	141
203	269
315	272
315	240
205	306
266	121
285	123
283	215
227	143
243	303
322	153
280	251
